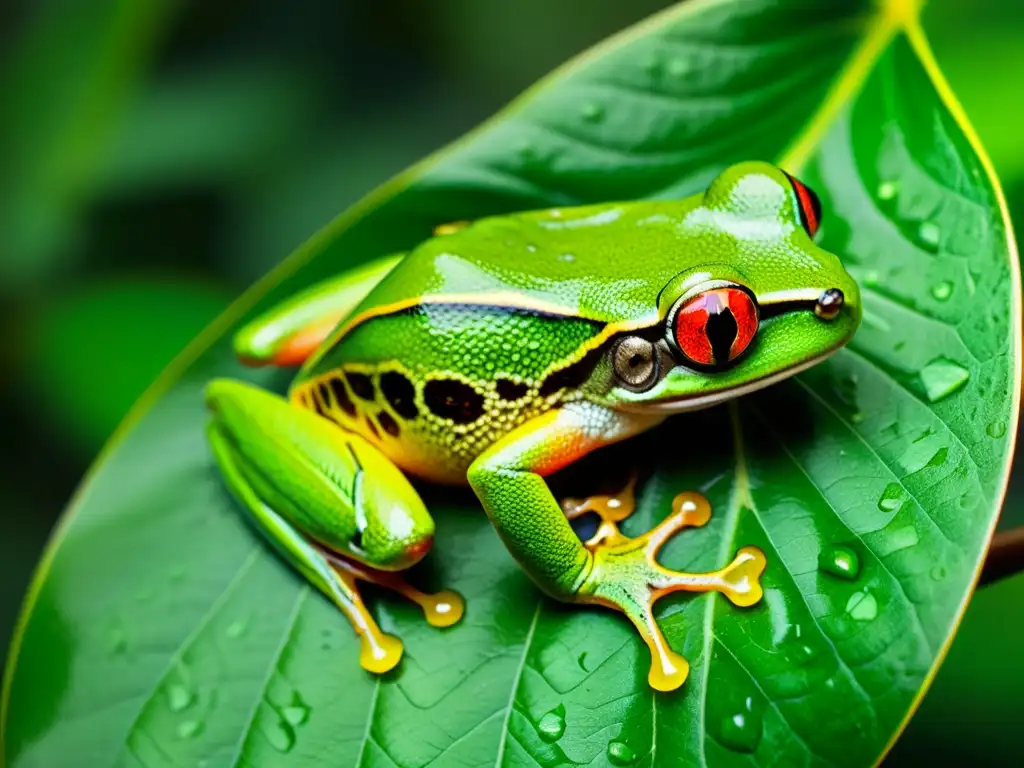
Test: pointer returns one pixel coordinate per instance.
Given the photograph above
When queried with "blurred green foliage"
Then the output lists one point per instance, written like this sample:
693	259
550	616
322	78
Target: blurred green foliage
160	155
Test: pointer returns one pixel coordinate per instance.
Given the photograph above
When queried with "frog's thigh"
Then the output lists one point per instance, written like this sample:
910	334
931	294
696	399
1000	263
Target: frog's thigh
509	480
380	652
289	332
301	480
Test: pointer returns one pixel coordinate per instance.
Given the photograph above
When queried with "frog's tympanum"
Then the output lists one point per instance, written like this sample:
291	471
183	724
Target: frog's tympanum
498	352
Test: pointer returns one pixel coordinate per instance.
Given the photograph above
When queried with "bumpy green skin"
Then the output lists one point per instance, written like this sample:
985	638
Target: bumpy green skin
484	354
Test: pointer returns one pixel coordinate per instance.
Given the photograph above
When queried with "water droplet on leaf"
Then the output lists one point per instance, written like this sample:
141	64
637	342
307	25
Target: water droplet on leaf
678	67
887	191
942	377
840	561
996	429
281	736
942	291
552	725
741	731
593	113
295	715
939	458
189	728
891	498
179	698
928	236
862	606
620	754
235	629
939	573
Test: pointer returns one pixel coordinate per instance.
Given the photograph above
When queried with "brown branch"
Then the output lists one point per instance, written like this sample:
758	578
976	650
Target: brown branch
1005	556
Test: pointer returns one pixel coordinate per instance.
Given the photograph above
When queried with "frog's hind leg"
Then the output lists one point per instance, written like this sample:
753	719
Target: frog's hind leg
288	333
321	496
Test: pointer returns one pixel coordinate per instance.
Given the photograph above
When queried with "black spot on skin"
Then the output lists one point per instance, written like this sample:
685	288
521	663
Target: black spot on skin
388	424
341	396
373	427
721	330
400	394
510	390
453	400
319	400
573	375
361	384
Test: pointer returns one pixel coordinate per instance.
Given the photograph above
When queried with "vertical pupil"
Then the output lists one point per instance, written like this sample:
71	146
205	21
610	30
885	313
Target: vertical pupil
721	330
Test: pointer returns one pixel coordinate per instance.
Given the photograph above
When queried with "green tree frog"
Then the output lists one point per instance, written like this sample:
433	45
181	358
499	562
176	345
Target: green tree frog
499	351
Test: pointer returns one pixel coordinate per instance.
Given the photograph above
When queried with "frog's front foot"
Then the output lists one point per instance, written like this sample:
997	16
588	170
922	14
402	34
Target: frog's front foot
626	576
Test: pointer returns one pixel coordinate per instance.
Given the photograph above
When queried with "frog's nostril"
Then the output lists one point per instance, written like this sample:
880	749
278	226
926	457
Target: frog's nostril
829	304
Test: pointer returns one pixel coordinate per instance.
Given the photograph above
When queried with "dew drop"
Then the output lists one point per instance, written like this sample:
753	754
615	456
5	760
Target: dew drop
996	429
942	291
620	754
179	698
741	731
942	377
593	113
678	67
281	736
567	257
235	629
939	573
939	458
891	498
840	561
295	715
189	728
928	236
552	725
862	606
887	191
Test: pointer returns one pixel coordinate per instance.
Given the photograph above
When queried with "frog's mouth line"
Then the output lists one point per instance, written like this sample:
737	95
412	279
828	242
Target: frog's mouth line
686	403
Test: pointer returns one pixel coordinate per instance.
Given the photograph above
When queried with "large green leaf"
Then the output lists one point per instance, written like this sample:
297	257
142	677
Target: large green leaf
161	630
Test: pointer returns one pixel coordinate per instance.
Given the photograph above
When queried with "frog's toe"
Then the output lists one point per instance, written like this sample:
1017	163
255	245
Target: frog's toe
442	609
379	653
627	576
611	509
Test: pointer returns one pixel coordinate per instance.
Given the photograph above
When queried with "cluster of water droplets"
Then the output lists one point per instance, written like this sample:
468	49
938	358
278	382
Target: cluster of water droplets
551	727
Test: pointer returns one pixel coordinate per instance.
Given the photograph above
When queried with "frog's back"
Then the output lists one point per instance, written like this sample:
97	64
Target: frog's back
477	332
602	262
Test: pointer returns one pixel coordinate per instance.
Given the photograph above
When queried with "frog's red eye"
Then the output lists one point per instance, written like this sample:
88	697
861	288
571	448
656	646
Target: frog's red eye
714	328
808	204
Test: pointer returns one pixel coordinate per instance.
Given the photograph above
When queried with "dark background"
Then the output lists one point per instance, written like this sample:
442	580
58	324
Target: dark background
158	156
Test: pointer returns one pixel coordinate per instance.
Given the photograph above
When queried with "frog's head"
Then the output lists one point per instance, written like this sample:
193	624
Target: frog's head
761	303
